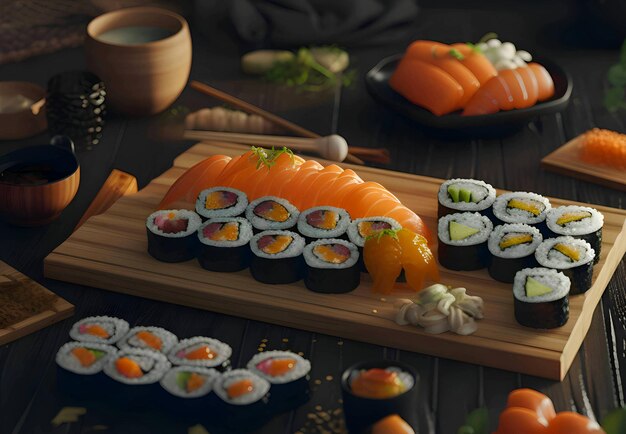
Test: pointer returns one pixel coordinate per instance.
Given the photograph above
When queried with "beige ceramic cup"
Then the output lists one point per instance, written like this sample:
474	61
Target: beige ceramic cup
146	78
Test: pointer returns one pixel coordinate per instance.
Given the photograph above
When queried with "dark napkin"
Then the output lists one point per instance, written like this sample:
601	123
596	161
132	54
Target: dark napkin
305	22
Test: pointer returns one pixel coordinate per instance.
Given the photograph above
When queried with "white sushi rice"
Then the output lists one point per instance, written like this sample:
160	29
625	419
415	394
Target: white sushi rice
169	381
245	232
193	219
263	224
237	209
353	229
470	219
514	215
405	377
66	359
153	364
260	387
222	350
556	280
550	258
293	249
483	192
300	369
307	230
518	251
130	340
115	327
312	260
580	227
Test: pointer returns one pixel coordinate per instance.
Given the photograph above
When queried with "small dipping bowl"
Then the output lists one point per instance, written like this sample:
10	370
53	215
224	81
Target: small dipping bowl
38	182
361	413
18	118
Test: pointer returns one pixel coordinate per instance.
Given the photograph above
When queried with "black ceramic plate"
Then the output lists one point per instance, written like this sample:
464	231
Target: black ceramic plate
377	82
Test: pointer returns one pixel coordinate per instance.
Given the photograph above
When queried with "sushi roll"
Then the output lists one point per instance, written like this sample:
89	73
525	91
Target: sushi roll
331	266
80	367
224	244
323	222
99	329
463	241
512	248
572	256
201	351
374	390
521	207
186	389
276	257
541	298
579	222
172	235
242	400
221	202
150	338
465	195
362	228
272	213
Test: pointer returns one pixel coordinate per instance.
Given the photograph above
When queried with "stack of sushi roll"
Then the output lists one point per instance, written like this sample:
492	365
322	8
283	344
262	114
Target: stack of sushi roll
331	266
580	222
201	351
80	366
224	244
463	241
151	338
187	389
272	213
323	222
541	298
465	195
277	256
512	248
172	234
221	202
574	257
99	329
522	207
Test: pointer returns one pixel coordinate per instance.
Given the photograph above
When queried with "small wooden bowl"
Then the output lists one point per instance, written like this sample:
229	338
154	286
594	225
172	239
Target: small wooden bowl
23	123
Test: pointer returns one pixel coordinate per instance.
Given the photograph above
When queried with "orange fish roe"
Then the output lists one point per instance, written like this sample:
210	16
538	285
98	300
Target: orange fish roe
604	147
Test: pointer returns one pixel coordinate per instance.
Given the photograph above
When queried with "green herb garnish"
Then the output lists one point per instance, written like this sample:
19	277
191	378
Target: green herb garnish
384	232
267	157
475	48
456	54
615	94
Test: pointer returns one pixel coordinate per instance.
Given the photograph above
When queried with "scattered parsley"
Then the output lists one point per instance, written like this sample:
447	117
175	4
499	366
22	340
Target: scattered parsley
267	157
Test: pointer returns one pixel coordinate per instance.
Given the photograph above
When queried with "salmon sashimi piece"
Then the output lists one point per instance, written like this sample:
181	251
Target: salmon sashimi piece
494	96
518	89
231	168
476	62
409	220
281	188
259	184
342	189
314	187
544	81
381	255
530	82
392	424
417	260
426	85
359	199
297	187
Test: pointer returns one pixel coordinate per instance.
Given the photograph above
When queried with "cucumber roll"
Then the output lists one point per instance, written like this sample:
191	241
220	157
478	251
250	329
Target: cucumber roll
331	266
272	213
512	248
242	399
572	256
224	244
277	257
362	228
521	207
221	202
579	222
150	338
172	235
201	351
186	389
463	241
99	329
465	195
541	298
323	222
80	367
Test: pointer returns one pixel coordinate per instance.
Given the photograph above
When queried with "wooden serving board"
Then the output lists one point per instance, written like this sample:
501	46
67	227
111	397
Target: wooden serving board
13	280
110	251
565	160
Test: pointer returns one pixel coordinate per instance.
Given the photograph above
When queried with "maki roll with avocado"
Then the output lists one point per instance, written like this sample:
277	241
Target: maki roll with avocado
465	195
276	257
99	329
572	256
242	399
172	234
221	202
201	351
541	298
579	222
186	389
150	338
272	213
512	248
521	207
463	241
323	222
80	366
331	266
362	228
224	244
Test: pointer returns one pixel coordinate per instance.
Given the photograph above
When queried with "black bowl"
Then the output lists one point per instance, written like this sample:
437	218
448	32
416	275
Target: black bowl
377	83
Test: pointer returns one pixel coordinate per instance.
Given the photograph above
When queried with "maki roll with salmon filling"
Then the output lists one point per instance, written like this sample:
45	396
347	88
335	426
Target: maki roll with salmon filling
571	256
221	202
579	222
269	212
99	329
172	235
465	195
80	366
187	388
201	351
331	266
362	228
463	241
242	399
224	244
541	298
150	338
276	257
323	222
512	248
521	207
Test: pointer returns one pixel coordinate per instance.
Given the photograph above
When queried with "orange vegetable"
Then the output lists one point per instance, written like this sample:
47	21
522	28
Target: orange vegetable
393	424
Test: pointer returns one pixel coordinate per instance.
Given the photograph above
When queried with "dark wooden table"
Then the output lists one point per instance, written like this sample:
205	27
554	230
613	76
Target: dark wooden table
449	390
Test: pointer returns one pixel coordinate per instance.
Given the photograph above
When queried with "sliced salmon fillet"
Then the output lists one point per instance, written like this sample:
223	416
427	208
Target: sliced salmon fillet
476	62
530	82
544	81
498	94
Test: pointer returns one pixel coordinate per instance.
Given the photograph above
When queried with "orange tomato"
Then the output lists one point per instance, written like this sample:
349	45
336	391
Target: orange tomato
519	420
568	422
532	400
